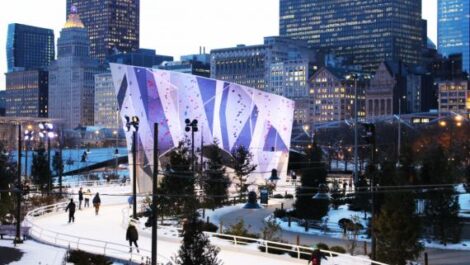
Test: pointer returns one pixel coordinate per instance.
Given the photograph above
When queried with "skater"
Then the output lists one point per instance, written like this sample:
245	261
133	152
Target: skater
87	196
316	257
80	198
132	235
96	202
71	209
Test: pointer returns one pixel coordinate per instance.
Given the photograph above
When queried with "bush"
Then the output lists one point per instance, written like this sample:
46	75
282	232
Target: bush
338	249
323	246
289	196
280	213
278	196
210	227
79	257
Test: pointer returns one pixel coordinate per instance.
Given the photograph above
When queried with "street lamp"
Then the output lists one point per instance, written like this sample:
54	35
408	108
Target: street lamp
191	126
132	124
46	130
28	137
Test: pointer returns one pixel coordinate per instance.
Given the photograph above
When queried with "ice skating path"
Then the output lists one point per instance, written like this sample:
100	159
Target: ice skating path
109	228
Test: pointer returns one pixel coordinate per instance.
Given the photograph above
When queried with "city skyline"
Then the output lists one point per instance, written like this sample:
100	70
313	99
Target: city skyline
185	29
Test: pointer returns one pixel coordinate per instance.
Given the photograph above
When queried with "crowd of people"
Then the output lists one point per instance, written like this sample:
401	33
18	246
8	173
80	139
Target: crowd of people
83	196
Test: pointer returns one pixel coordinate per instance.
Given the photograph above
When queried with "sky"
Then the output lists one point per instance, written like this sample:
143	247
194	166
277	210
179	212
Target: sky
176	27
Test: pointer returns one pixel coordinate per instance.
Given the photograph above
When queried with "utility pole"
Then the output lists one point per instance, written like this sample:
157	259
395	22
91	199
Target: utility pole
154	194
18	189
399	131
355	132
134	174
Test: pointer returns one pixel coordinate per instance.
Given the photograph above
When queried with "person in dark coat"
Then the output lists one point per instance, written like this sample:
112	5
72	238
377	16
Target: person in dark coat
132	235
71	209
316	257
80	198
97	202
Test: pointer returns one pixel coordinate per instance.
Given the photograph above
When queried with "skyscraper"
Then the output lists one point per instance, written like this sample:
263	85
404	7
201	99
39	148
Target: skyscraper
113	25
26	93
29	47
72	81
453	29
365	32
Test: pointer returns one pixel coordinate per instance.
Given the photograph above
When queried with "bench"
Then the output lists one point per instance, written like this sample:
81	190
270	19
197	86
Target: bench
10	230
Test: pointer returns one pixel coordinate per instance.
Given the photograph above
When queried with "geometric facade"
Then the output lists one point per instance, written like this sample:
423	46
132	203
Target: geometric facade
232	114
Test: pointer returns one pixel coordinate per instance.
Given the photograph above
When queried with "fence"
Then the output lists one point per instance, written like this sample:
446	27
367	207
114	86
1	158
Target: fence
294	250
109	249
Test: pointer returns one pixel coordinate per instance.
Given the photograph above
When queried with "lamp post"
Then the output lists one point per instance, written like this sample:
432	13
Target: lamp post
132	124
47	131
154	194
18	190
191	126
28	137
355	77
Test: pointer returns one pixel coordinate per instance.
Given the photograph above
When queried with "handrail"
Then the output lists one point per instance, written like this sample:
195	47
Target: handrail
99	247
241	240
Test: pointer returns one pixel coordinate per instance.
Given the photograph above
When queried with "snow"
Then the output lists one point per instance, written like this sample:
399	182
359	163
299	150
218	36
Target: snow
216	214
34	253
464	201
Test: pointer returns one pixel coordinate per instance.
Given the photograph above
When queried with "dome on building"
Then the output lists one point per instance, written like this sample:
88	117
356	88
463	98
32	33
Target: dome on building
74	20
430	44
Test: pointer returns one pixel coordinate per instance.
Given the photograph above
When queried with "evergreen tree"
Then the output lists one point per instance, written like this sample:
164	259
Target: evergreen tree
397	229
57	163
313	175
176	191
216	181
7	177
40	170
242	167
441	206
196	248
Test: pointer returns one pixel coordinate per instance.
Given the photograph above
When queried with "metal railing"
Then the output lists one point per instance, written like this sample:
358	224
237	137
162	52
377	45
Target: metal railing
294	250
109	249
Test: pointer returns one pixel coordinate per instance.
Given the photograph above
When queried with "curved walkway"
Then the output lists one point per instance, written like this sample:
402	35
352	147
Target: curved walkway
97	232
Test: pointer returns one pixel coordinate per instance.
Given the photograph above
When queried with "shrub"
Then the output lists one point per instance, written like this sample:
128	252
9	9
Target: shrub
289	196
209	227
322	246
338	249
280	213
278	196
79	257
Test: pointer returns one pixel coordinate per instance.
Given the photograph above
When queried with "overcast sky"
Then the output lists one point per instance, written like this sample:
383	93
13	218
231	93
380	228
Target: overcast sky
176	27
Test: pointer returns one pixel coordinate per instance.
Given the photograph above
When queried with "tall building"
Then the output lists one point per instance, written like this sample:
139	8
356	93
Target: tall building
280	65
453	29
140	57
26	93
71	77
332	95
29	47
454	96
195	64
2	103
106	105
113	25
366	32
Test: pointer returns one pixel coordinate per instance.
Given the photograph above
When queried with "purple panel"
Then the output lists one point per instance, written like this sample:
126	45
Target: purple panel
274	140
223	116
244	139
207	88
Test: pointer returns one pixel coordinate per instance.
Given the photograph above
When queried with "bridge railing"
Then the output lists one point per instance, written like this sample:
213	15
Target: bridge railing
295	250
110	249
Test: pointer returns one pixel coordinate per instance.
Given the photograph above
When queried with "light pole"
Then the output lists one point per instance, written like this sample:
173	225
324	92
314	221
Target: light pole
18	190
47	131
28	137
154	194
355	77
191	126
132	124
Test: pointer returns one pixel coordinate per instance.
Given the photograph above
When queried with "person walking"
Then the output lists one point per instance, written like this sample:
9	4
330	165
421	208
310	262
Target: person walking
97	202
71	209
132	235
87	196
316	257
80	198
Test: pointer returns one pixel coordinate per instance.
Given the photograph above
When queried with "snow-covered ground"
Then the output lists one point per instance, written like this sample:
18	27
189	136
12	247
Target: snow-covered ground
34	253
464	201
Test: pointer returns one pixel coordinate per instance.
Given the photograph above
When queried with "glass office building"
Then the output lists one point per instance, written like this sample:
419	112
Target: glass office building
453	29
364	32
113	25
29	47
